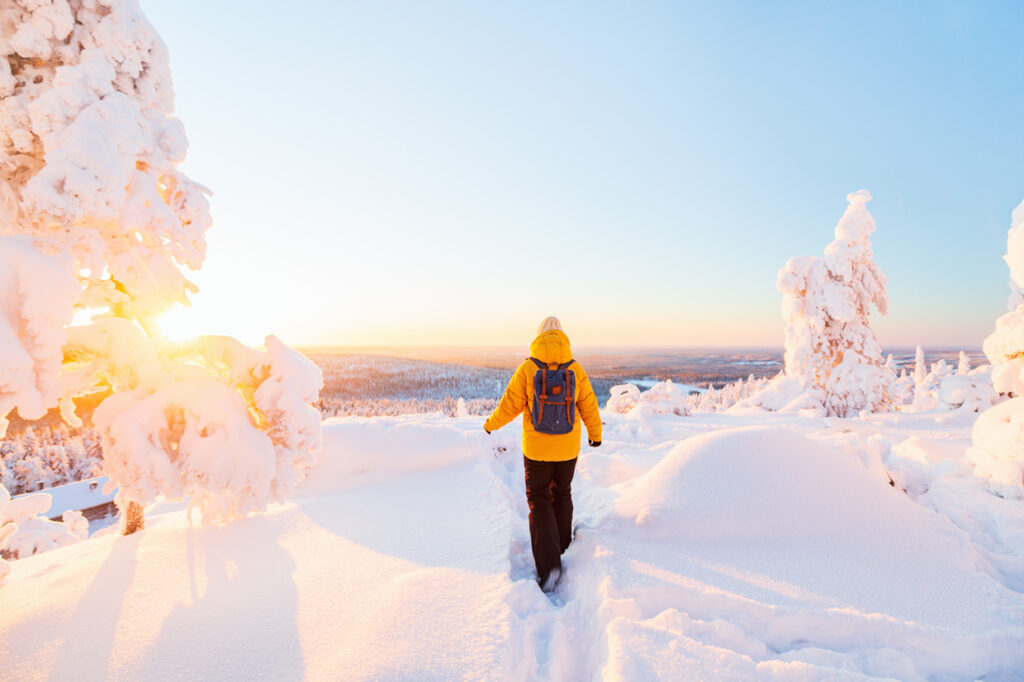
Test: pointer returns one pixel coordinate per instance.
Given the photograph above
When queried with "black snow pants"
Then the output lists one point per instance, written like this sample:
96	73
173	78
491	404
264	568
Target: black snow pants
549	494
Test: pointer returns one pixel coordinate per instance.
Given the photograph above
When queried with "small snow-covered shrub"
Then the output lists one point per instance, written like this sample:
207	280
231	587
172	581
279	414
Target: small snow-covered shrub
230	427
24	530
664	397
971	391
624	397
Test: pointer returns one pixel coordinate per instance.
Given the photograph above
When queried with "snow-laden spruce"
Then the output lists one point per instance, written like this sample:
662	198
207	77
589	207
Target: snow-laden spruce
96	217
998	436
833	361
229	427
92	148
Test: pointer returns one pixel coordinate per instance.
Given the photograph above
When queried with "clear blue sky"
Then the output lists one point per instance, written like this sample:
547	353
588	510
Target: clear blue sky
451	173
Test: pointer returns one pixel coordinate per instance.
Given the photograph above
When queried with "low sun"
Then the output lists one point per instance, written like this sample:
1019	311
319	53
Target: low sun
178	324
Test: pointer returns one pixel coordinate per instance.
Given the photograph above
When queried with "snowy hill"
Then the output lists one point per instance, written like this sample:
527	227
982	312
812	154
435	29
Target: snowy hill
722	546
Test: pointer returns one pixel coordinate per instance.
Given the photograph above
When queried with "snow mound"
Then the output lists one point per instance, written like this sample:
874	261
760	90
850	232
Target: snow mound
815	561
759	483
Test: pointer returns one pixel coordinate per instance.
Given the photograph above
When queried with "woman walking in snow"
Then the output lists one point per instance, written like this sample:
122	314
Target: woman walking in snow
555	393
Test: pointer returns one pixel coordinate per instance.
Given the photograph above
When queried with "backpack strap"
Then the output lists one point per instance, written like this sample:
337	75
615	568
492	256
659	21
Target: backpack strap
539	363
565	365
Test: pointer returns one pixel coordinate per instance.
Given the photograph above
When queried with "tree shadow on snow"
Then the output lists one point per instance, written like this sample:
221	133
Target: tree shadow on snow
91	629
437	518
241	620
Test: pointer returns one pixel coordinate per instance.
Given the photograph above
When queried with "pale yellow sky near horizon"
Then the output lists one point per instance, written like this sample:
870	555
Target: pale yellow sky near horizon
512	328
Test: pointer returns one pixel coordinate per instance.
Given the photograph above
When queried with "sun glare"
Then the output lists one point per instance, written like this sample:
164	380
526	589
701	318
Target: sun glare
178	324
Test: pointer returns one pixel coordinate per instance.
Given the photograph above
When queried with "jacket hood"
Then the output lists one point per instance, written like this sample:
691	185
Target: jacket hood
551	347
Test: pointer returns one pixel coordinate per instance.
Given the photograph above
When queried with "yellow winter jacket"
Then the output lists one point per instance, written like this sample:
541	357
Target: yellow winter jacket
551	347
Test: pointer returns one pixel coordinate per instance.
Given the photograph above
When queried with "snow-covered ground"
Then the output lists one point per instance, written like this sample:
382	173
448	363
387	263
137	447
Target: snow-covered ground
738	545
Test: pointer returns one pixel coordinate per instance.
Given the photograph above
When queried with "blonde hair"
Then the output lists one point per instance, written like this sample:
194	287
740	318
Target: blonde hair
551	322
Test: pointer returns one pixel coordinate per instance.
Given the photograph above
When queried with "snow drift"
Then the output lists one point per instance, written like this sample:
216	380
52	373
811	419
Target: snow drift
759	483
715	546
785	552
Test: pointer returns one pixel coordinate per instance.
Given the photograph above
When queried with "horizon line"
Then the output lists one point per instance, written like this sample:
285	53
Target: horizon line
505	347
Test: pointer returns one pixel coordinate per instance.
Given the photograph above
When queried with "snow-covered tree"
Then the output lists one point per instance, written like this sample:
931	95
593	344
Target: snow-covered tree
920	367
925	396
963	365
831	350
708	400
998	435
96	217
92	148
890	365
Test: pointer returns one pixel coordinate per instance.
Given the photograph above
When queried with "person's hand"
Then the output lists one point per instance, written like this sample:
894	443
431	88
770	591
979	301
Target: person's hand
594	443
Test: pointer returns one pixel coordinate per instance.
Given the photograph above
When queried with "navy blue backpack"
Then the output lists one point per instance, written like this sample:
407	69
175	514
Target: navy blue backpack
554	398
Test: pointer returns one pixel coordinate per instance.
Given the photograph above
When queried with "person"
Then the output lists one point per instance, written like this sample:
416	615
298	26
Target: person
549	459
